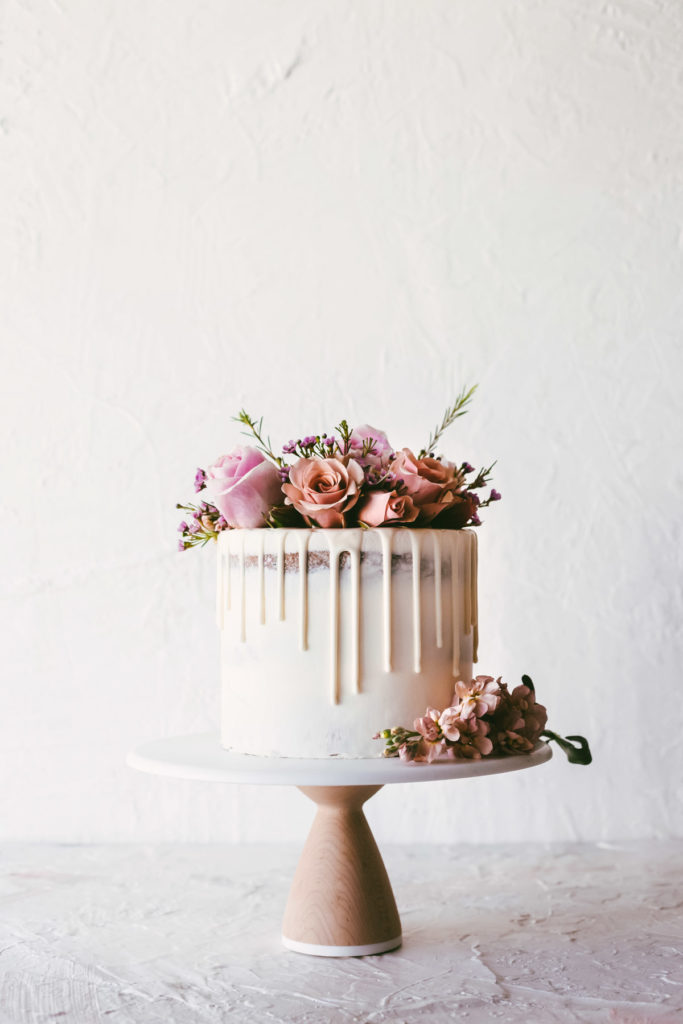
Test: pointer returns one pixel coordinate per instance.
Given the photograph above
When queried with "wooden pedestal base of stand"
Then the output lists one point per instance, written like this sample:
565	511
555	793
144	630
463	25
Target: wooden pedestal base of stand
341	903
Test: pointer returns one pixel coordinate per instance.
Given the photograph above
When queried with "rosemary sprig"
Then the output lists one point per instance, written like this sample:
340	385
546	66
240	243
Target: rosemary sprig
459	408
256	428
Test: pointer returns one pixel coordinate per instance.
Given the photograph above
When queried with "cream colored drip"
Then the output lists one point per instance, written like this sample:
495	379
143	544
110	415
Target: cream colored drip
467	587
355	618
455	601
220	584
334	623
303	537
243	593
386	540
228	571
475	598
281	538
438	608
415	545
261	583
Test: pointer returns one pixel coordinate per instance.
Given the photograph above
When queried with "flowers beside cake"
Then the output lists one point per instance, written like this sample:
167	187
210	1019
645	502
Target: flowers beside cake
347	590
485	718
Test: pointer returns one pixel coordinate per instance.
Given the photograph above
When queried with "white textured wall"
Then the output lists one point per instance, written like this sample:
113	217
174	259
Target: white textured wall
334	209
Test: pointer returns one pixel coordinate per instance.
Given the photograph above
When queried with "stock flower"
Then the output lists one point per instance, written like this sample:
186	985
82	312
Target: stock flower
381	451
323	490
380	507
244	487
474	741
479	697
430	483
428	726
451	724
534	715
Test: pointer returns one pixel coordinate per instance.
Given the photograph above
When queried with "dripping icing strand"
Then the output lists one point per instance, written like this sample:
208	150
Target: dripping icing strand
282	537
243	593
303	538
415	543
455	602
220	584
354	552
386	539
438	609
261	582
475	599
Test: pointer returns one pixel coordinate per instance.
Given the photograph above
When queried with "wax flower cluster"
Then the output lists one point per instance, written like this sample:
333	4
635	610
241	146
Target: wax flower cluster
350	477
485	718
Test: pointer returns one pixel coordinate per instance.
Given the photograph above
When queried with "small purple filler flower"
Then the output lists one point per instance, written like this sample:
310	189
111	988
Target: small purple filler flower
182	527
494	495
289	448
466	468
181	545
309	441
199	480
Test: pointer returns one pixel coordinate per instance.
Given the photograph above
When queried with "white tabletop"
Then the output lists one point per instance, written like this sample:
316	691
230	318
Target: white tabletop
201	757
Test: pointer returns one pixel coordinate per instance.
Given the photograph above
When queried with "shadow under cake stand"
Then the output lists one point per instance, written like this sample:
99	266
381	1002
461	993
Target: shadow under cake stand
341	902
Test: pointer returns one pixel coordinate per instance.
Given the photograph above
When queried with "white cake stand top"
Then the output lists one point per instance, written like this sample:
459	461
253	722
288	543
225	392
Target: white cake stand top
201	757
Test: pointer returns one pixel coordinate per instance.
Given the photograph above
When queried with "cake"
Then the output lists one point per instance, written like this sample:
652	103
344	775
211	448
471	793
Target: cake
347	590
327	634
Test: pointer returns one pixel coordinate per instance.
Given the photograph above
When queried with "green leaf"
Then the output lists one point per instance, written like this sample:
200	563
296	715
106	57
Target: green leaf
580	754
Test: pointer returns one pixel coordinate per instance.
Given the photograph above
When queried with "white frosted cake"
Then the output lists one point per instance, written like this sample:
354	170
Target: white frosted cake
328	635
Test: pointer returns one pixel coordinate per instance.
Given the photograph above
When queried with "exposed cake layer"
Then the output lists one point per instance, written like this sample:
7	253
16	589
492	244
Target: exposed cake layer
330	635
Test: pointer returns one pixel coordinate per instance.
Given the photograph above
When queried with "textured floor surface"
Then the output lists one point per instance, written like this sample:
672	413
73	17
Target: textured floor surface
185	934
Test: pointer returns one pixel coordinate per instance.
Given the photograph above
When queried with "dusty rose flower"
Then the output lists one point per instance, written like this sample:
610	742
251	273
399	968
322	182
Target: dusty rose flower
426	752
513	742
429	482
428	726
480	697
534	715
474	742
387	508
457	510
451	724
323	490
381	452
243	486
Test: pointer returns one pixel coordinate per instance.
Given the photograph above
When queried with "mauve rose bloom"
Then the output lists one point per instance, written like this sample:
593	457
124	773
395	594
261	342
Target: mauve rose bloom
244	487
456	512
323	490
387	508
429	482
381	449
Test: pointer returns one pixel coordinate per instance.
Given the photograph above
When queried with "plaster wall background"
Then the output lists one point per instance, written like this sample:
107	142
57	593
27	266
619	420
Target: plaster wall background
326	210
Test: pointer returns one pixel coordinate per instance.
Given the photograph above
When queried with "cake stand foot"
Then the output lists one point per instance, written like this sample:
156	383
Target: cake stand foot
341	903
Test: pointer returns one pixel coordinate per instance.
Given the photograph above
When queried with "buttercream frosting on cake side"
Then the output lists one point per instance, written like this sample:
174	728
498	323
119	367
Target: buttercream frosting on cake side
330	635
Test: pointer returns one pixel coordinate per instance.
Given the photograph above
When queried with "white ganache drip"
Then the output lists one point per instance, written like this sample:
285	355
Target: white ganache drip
457	549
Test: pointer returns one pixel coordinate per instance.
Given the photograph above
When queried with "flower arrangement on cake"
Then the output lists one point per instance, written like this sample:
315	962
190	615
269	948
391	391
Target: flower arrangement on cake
351	477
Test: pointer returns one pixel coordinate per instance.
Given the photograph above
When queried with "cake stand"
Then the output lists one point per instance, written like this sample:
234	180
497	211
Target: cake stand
340	902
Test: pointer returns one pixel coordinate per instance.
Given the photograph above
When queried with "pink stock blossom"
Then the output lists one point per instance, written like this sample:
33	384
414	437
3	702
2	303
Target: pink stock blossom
428	725
479	697
244	487
451	723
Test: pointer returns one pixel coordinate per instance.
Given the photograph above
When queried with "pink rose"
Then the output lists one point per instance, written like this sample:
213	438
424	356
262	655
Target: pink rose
381	451
244	487
387	507
429	482
323	490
